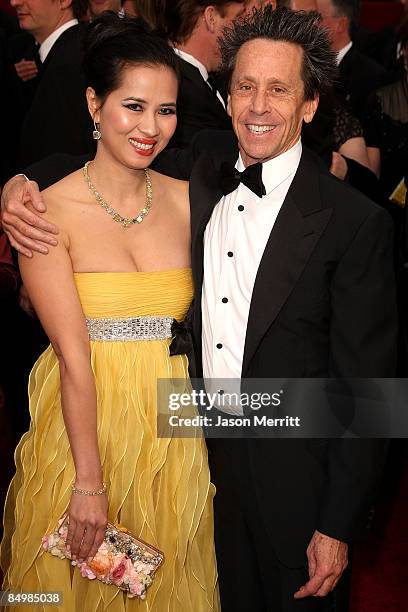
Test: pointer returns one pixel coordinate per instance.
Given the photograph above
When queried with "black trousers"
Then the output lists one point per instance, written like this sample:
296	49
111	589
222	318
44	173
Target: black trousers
251	577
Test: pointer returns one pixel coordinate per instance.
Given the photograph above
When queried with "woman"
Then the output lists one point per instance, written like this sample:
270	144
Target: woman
386	126
93	391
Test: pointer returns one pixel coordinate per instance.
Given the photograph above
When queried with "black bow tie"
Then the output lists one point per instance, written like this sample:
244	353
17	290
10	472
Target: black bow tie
251	177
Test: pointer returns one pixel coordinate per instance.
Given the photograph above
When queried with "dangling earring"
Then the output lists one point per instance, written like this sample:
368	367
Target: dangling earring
96	135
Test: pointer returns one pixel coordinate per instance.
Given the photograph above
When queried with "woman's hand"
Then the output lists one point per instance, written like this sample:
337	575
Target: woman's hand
88	517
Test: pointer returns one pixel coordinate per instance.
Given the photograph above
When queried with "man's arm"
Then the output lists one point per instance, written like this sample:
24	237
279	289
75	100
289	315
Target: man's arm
179	162
27	230
363	341
55	167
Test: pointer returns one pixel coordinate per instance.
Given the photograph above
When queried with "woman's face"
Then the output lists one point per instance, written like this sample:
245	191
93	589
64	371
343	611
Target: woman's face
138	118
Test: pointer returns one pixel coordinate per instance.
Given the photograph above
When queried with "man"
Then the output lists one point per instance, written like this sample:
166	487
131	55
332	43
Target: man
358	74
194	26
270	308
294	280
58	118
334	118
383	45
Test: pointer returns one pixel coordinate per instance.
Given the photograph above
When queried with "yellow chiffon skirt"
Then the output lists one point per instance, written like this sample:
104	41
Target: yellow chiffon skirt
159	488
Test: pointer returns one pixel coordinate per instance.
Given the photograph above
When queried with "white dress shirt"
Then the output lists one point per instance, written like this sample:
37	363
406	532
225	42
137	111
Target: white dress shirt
234	241
46	46
203	70
343	51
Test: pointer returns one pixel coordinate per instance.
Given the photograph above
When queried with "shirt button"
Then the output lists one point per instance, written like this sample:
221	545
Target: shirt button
241	208
224	300
230	254
219	345
221	392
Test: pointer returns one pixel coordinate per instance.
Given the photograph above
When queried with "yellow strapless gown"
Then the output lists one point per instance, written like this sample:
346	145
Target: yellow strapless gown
158	488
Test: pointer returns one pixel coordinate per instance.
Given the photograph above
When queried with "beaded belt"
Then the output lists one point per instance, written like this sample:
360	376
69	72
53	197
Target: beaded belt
138	328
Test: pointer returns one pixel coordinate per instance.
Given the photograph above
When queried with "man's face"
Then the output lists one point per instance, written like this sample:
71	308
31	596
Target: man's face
39	17
224	18
231	11
266	100
333	24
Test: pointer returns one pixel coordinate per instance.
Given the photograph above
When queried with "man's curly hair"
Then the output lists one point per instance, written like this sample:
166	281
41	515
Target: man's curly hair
319	68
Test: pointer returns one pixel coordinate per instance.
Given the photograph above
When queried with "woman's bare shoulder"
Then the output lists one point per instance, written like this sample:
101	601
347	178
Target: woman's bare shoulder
61	197
170	188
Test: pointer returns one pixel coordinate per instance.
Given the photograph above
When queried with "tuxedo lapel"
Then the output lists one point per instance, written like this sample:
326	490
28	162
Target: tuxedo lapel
297	229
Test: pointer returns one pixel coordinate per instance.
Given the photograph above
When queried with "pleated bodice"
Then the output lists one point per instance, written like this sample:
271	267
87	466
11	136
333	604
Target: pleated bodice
165	293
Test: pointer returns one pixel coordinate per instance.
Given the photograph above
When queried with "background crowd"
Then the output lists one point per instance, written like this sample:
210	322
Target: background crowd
360	131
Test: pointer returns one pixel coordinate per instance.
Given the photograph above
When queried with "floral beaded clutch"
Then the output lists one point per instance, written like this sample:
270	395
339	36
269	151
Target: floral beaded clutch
122	559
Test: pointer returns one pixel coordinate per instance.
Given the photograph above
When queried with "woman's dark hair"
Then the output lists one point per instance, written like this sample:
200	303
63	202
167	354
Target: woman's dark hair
283	25
112	43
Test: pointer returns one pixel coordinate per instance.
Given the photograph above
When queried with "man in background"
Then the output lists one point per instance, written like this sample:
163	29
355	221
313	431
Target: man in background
194	27
358	74
58	118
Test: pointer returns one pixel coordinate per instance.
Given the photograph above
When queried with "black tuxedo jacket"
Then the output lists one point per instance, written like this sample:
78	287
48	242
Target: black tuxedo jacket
58	118
323	305
198	107
359	75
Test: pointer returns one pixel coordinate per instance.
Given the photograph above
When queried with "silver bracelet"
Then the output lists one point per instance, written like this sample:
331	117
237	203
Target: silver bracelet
84	492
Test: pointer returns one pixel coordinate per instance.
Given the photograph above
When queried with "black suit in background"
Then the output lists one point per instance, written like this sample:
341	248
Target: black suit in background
382	47
58	118
10	111
359	75
8	23
24	46
198	107
323	305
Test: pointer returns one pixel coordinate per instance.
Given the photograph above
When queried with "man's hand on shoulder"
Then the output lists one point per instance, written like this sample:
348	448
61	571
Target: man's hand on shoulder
26	230
327	559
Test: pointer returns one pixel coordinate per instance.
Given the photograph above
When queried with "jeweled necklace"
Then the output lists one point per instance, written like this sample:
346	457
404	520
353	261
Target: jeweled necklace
124	221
